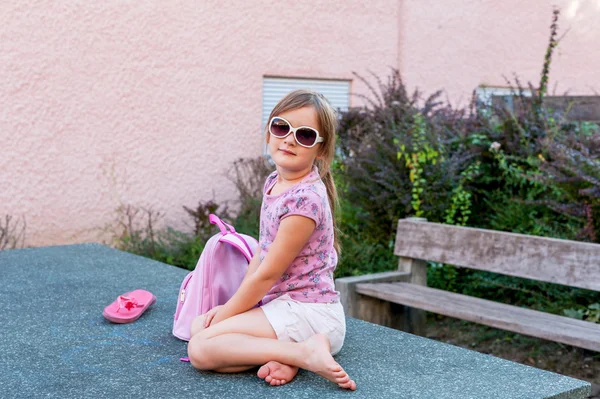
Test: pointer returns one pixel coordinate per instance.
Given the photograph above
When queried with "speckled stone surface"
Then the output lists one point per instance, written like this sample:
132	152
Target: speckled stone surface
55	343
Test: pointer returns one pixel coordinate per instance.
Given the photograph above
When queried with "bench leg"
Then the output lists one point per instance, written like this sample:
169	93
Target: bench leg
384	313
415	320
371	309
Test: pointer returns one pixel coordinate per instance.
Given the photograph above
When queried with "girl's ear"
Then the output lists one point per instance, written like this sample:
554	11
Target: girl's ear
321	153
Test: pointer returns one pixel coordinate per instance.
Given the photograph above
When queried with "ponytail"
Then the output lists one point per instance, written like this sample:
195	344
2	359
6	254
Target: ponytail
327	177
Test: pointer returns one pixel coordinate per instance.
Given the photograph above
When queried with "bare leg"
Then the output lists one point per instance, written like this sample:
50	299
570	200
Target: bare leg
198	326
248	340
253	322
273	372
230	350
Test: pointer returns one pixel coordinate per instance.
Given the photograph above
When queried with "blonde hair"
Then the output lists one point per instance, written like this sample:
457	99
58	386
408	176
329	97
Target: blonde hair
327	117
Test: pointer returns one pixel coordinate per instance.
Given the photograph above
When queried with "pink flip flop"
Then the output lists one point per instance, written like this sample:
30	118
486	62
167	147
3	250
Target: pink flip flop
129	306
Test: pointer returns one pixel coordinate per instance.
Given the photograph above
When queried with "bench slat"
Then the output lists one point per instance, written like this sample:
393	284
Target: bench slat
418	296
552	260
520	320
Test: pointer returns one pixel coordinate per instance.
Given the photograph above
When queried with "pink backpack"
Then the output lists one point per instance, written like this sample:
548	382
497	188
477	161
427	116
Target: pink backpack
217	276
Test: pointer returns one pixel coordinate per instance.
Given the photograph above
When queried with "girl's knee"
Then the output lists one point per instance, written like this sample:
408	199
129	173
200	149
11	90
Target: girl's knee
198	354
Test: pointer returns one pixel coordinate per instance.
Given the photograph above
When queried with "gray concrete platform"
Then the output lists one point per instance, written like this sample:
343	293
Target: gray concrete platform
55	343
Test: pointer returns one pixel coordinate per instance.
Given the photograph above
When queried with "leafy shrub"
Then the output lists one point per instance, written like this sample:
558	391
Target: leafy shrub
574	164
526	170
135	231
397	158
360	253
200	216
591	314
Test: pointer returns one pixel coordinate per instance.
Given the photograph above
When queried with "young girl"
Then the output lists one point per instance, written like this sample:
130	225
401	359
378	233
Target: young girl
300	322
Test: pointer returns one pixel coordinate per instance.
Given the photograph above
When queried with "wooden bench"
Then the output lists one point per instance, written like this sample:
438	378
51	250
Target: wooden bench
399	299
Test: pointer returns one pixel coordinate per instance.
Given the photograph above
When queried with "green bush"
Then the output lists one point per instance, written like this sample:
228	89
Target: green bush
135	231
360	252
574	164
527	170
398	159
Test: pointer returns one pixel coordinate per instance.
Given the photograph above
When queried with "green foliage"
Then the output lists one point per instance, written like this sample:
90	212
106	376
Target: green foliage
400	158
526	170
362	256
178	249
591	313
574	165
135	231
443	277
360	253
537	295
135	228
200	217
422	154
516	193
548	57
460	202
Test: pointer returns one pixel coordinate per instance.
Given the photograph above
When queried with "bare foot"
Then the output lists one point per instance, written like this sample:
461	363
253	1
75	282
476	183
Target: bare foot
276	373
320	361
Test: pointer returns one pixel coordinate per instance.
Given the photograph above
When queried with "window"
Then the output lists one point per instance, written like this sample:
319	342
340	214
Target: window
487	96
274	89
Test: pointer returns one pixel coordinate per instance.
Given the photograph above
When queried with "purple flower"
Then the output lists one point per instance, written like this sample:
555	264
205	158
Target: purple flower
314	208
300	202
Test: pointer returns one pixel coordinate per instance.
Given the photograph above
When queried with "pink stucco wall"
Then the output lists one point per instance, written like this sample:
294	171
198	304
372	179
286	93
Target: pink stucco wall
147	103
459	45
113	103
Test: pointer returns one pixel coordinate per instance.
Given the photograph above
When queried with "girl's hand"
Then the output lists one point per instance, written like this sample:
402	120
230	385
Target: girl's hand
210	315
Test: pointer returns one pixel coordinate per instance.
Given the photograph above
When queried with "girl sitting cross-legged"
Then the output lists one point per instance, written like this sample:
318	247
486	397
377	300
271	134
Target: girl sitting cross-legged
286	313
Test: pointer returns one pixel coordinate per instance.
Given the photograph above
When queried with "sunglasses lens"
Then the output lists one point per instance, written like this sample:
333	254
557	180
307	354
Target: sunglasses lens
279	127
306	137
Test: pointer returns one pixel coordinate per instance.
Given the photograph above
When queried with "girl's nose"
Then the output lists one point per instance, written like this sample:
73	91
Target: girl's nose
289	139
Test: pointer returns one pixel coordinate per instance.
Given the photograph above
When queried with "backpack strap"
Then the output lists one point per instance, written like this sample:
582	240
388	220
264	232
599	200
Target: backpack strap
238	242
230	236
214	219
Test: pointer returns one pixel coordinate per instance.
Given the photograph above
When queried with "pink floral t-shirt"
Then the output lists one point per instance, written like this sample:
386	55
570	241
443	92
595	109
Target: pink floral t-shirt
309	278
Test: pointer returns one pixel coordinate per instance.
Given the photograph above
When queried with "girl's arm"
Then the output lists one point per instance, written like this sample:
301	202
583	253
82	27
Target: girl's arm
253	265
293	234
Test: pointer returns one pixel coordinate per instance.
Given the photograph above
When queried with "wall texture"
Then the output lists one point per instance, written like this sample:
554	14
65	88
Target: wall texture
459	45
114	103
148	103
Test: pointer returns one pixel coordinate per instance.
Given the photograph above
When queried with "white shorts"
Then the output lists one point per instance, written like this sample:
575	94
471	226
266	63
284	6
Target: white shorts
297	321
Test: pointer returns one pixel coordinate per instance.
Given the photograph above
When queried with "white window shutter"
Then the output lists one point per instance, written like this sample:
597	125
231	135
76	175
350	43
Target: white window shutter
274	89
